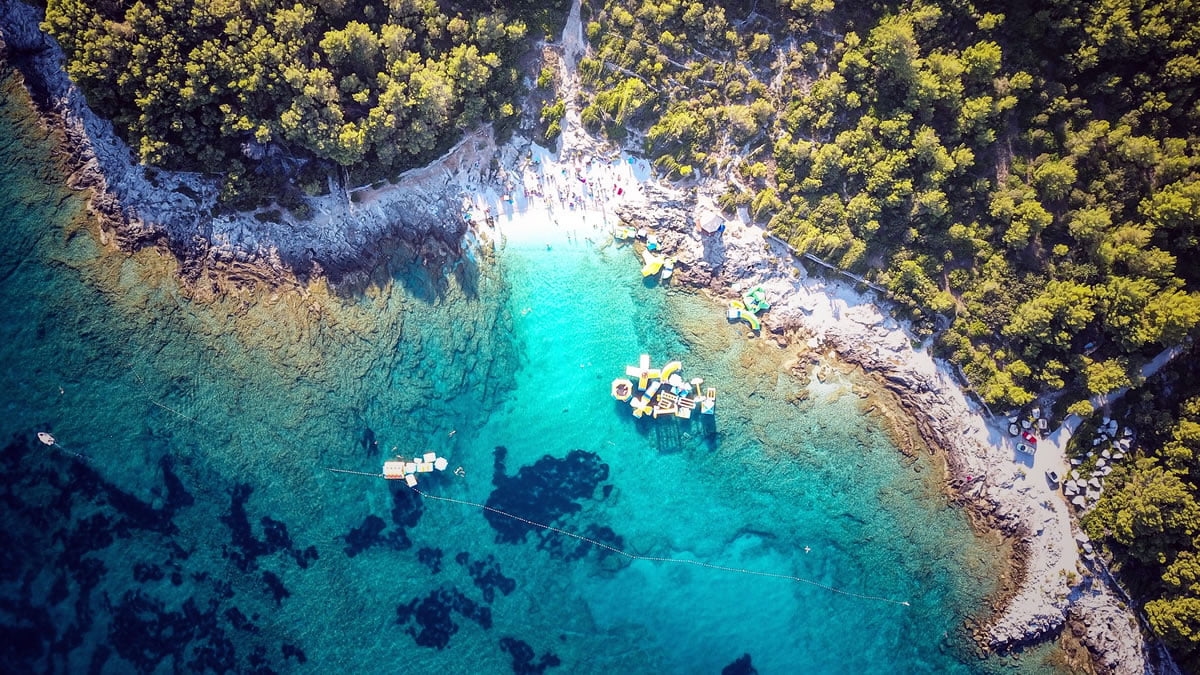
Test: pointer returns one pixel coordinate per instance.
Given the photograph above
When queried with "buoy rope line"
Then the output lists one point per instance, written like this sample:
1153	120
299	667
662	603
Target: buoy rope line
634	556
355	473
164	406
550	528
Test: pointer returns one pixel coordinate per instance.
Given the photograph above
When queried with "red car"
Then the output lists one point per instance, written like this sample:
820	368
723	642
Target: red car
1029	437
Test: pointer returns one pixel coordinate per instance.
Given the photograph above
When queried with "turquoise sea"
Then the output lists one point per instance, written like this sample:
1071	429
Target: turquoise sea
187	521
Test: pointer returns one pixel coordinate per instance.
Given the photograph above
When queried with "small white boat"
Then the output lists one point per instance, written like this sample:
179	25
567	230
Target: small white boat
46	438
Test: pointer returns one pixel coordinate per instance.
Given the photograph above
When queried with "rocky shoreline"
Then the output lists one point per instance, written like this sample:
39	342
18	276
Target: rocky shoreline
1051	581
137	208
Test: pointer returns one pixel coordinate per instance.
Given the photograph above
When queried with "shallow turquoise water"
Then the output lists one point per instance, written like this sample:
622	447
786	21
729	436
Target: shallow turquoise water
201	531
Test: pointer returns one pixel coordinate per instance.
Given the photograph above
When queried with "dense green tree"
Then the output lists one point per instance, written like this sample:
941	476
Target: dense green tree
1151	512
1176	620
374	85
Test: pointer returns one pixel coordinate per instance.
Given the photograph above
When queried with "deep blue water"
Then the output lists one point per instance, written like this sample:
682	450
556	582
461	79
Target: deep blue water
187	521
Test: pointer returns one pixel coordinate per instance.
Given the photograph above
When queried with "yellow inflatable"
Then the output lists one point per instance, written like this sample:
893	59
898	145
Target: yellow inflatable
668	369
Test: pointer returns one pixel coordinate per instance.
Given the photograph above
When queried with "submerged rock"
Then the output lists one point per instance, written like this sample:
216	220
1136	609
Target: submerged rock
430	622
523	661
741	666
543	492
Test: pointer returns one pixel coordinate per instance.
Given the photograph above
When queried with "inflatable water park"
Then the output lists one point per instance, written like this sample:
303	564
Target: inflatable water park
747	309
658	392
654	262
400	469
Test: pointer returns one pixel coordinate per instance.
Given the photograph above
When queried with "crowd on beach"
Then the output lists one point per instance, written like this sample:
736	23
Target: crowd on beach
570	190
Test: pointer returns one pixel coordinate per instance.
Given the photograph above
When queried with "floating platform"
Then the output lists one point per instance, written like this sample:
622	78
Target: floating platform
407	470
622	389
394	470
662	392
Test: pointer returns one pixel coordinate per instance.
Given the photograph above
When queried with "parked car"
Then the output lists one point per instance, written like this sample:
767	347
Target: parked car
1027	449
1029	437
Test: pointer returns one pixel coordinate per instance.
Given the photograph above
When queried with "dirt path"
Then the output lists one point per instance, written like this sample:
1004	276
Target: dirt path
574	47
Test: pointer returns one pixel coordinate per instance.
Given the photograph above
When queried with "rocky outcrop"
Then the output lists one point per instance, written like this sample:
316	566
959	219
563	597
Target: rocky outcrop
128	204
1096	618
137	206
